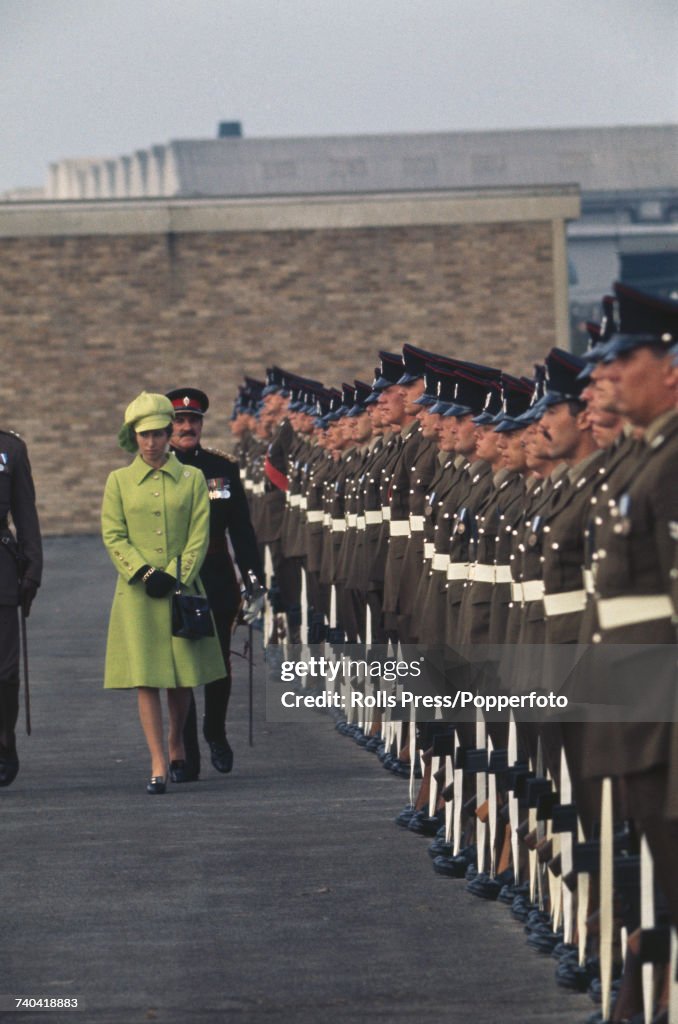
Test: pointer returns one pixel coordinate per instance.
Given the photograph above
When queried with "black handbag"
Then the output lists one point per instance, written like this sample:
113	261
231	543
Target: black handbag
191	619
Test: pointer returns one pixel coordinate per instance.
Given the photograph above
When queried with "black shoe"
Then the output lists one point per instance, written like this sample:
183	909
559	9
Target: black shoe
405	816
562	949
508	893
424	824
156	785
439	848
9	769
221	755
178	772
543	939
450	867
489	888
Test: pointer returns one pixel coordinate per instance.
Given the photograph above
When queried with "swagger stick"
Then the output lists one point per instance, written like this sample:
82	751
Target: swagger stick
24	651
251	678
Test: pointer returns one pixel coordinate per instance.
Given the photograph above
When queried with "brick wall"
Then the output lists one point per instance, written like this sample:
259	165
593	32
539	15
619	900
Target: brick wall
89	320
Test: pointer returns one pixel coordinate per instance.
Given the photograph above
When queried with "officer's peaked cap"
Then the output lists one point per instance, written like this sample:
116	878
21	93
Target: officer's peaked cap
189	400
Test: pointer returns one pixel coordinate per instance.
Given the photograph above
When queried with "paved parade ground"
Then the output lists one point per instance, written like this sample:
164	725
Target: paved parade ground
283	892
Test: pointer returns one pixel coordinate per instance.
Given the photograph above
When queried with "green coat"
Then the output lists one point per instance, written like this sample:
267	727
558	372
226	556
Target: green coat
149	516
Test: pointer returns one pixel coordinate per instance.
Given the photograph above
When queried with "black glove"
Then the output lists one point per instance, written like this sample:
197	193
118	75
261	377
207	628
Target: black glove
159	584
27	592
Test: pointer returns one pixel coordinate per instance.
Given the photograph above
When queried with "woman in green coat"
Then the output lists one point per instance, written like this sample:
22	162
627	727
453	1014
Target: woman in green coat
154	510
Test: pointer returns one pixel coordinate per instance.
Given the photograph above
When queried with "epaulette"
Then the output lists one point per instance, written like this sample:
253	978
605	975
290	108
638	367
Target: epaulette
14	433
218	451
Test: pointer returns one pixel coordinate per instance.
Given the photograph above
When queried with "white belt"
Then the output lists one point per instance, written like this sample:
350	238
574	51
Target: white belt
315	515
386	512
248	485
352	518
338	525
481	573
360	522
373	517
416	524
259	488
243	473
615	612
303	501
589	585
567	603
295	500
502	574
530	590
440	561
457	571
429	549
533	590
399	528
327	519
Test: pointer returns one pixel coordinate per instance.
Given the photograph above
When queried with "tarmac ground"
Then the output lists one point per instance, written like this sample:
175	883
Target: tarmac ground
280	893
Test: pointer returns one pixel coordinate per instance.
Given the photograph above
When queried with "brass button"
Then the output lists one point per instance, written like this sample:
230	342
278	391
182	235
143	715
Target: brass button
159	550
158	531
156	494
156	476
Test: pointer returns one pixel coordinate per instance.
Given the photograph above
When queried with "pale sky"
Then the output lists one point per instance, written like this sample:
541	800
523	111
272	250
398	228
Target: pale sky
106	77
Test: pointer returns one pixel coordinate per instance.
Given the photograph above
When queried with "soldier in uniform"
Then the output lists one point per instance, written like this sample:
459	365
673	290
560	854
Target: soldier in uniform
229	518
20	575
635	546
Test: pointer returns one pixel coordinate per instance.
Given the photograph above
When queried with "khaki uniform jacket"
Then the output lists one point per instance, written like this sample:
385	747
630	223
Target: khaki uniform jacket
476	604
634	555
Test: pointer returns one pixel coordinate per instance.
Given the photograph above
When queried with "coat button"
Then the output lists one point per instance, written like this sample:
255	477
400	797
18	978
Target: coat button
158	531
159	550
156	513
156	494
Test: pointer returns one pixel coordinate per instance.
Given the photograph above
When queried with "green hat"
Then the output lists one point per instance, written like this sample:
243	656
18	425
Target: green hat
147	412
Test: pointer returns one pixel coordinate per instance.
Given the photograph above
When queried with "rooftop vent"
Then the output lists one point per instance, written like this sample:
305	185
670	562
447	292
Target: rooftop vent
230	129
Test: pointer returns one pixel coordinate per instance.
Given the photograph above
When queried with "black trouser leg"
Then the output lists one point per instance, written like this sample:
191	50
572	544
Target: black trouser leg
9	680
9	713
191	743
218	693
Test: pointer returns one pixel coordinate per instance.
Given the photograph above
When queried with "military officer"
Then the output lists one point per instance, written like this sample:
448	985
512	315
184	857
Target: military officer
20	576
229	519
